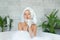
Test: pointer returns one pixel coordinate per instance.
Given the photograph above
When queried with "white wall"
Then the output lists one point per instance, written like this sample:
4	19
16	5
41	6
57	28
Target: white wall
14	8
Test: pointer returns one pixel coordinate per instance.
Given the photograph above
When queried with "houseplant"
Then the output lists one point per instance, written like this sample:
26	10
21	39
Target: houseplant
3	23
10	26
57	23
9	22
50	23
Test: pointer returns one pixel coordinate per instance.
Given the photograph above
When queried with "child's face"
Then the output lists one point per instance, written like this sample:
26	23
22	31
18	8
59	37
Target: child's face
27	14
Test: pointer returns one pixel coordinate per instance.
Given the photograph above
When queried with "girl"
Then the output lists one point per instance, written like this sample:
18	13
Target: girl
28	22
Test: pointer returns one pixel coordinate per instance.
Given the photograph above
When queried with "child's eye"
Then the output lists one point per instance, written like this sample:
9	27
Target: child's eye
24	14
29	14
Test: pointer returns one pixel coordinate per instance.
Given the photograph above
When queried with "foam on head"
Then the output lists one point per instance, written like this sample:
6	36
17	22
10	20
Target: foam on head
33	15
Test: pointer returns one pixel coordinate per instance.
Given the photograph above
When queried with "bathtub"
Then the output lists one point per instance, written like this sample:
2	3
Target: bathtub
42	36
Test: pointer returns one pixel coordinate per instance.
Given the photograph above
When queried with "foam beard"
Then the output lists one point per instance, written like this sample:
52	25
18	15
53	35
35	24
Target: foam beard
29	22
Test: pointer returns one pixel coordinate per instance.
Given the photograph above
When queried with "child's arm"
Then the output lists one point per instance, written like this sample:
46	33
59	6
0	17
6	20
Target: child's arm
20	26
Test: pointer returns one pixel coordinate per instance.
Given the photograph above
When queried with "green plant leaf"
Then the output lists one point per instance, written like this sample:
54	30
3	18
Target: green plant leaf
49	25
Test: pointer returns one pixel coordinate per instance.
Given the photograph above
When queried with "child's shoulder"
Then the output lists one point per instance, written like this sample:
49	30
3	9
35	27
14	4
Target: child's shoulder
20	23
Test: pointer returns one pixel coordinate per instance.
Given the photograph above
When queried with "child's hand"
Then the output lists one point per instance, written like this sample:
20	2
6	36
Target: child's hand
24	26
